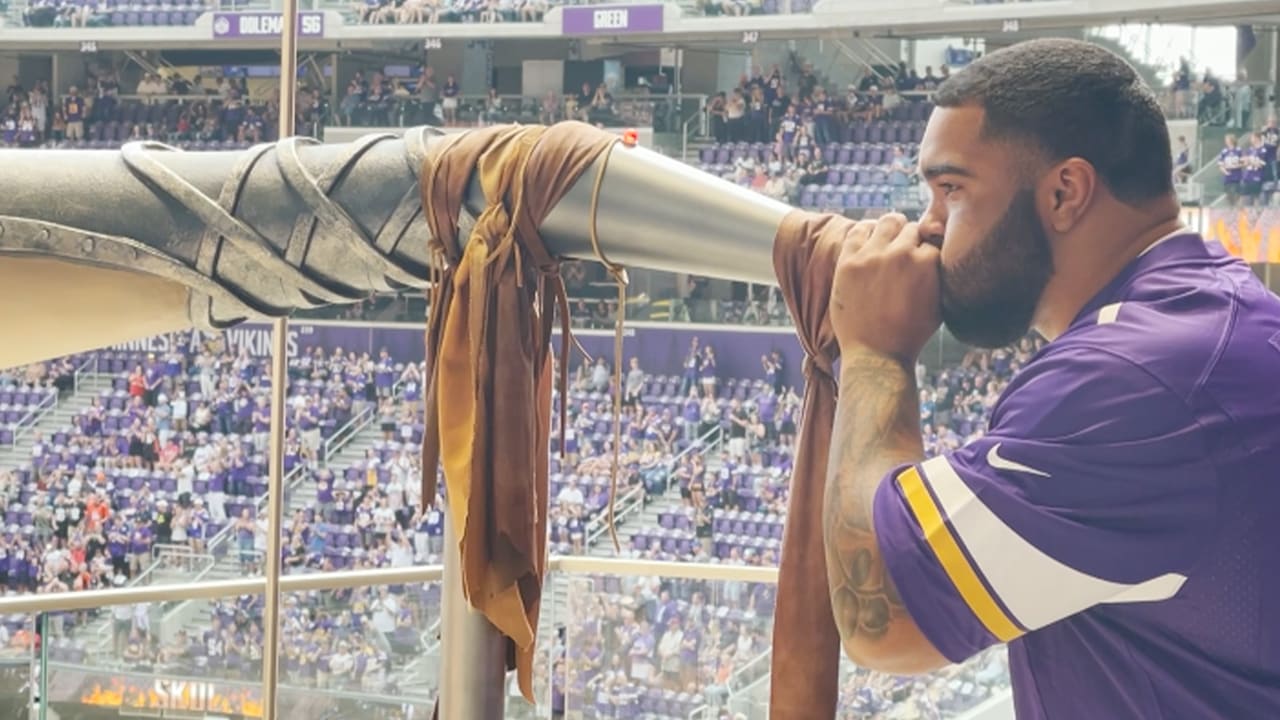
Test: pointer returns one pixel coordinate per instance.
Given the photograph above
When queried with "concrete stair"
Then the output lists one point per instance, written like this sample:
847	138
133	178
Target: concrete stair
227	563
55	419
352	451
645	517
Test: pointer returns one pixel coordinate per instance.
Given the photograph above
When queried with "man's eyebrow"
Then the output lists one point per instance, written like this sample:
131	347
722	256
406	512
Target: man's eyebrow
932	171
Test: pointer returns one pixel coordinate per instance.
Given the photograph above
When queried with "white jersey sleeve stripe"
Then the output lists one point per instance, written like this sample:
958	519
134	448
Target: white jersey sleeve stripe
1036	588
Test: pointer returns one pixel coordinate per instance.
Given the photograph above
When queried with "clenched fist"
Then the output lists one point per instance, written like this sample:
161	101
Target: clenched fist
885	296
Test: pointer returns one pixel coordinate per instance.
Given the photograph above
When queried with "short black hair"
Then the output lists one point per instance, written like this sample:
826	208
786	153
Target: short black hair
1068	98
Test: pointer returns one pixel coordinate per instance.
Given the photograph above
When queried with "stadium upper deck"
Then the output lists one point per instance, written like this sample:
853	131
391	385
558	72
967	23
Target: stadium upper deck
66	24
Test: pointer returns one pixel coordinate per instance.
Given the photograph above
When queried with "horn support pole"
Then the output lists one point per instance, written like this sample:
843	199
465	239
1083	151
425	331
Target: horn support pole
279	388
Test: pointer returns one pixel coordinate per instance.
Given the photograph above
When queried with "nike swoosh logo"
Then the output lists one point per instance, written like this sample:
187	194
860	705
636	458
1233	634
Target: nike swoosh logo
999	463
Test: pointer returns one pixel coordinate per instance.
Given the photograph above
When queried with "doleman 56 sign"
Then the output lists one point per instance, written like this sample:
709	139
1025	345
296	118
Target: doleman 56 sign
264	24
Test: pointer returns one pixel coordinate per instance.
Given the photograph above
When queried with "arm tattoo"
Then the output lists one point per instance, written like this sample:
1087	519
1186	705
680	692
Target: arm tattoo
877	427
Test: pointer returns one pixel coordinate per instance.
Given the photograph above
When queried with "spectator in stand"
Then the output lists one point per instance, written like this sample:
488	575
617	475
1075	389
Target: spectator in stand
707	372
1212	100
251	128
634	384
1253	168
413	12
74	111
449	94
374	11
1242	102
1182	161
1231	165
151	84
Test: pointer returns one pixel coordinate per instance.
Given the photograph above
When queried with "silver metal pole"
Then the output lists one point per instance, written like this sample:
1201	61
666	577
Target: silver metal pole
472	651
279	383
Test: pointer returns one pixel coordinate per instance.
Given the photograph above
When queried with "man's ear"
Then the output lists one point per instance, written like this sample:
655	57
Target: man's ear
1066	192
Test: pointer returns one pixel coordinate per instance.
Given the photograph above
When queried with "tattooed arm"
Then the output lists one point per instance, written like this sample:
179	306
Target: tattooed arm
877	428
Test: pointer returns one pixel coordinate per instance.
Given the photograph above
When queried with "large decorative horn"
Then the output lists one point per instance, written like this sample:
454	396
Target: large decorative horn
100	247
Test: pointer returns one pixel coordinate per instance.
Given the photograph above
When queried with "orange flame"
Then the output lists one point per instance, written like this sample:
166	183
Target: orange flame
121	694
1251	234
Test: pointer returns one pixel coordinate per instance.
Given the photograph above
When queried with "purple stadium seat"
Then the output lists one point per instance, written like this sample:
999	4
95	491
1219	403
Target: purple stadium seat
809	196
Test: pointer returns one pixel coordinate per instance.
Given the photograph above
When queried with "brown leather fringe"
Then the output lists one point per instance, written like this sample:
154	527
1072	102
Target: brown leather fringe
488	350
806	643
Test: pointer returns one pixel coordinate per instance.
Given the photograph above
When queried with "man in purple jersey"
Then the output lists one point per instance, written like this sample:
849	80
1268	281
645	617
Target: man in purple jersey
1115	526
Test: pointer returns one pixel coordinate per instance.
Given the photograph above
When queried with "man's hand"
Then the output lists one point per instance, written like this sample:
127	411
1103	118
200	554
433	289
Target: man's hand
884	307
885	296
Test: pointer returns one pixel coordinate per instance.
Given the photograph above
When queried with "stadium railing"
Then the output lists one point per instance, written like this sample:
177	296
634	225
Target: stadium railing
334	444
31	418
410	110
57	671
664	112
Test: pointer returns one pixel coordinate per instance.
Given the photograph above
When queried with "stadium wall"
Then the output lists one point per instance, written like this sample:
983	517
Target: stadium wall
644	136
661	347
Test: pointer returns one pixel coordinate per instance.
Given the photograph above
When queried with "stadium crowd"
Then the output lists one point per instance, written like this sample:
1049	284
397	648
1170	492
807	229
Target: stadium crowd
803	144
734	498
665	647
164	459
408	12
145	13
212	114
170	454
1249	166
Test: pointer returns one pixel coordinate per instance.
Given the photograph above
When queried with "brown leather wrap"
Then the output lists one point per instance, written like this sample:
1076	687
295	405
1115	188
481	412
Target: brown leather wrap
806	643
488	379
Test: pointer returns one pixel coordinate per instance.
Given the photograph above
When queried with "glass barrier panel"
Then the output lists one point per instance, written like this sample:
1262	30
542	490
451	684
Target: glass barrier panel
667	648
947	693
20	642
663	647
361	652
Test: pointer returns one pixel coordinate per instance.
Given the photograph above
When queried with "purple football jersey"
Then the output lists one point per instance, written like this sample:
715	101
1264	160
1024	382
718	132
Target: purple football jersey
1115	525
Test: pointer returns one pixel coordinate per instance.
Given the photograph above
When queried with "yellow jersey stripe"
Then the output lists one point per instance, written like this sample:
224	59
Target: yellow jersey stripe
953	561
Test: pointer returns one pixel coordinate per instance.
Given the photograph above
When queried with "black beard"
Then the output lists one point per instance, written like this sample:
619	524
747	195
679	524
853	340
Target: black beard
989	298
